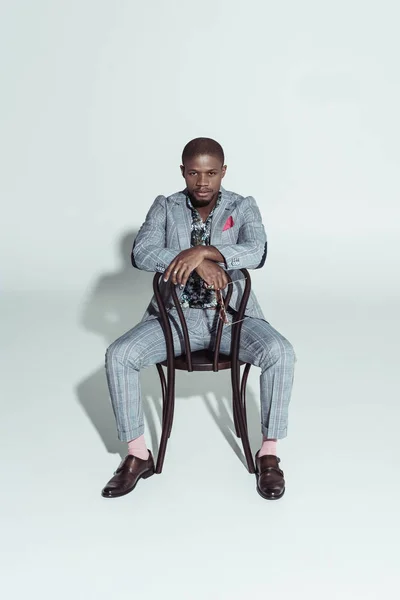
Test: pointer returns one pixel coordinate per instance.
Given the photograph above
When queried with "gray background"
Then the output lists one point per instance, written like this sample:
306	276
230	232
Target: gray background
97	101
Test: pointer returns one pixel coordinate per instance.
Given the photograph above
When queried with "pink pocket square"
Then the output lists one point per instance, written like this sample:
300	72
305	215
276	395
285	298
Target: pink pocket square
229	223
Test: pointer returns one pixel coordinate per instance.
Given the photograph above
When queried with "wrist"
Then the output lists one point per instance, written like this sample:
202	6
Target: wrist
211	253
202	251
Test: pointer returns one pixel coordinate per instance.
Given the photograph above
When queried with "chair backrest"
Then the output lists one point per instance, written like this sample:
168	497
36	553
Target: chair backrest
166	325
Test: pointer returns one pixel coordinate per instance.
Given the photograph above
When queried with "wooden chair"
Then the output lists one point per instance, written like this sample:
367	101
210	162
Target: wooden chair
203	360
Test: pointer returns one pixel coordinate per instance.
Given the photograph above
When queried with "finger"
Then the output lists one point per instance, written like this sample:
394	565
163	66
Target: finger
178	272
184	276
175	275
223	280
218	281
215	284
168	272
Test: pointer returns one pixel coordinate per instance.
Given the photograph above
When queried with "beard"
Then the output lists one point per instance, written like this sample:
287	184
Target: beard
201	202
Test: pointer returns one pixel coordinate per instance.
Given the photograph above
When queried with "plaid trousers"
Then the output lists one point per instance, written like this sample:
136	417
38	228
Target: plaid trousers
144	345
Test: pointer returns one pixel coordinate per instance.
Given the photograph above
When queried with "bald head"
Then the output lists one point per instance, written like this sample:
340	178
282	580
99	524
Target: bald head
202	147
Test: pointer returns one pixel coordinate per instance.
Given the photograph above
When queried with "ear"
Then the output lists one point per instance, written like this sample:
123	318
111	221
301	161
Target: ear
183	170
224	168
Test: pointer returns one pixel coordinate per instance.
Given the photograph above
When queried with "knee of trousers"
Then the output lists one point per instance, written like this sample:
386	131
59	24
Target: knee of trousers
123	352
281	350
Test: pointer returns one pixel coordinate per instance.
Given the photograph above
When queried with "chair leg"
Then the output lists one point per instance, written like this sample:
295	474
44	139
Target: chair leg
168	414
171	417
243	400
235	419
163	386
237	399
243	387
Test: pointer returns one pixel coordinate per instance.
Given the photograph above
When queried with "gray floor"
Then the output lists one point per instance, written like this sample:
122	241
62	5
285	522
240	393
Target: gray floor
199	530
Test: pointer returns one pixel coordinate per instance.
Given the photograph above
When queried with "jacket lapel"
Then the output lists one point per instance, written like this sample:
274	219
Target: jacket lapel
221	214
183	221
183	218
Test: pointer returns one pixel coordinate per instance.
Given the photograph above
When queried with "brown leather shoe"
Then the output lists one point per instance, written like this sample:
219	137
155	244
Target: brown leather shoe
270	481
127	475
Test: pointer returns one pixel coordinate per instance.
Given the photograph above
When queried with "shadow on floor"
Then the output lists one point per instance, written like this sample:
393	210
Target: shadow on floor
115	305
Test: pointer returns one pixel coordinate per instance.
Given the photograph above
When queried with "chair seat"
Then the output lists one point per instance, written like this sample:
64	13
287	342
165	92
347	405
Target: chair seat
202	360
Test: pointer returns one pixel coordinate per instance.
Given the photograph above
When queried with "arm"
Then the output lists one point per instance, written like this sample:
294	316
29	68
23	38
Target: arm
249	252
197	259
149	252
251	249
212	253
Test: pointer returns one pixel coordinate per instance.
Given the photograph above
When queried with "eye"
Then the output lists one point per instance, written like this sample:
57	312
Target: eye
212	173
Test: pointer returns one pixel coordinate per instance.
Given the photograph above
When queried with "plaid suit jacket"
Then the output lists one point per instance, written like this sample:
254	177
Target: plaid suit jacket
167	230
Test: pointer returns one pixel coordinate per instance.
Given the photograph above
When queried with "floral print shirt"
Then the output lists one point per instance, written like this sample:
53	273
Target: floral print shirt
195	294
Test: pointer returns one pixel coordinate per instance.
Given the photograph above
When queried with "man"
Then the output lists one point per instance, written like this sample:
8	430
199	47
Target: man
193	237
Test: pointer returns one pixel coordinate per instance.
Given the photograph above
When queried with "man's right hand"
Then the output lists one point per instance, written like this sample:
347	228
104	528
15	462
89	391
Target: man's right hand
212	274
183	264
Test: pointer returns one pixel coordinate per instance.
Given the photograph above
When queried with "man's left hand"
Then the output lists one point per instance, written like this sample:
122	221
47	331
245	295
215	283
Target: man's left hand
212	274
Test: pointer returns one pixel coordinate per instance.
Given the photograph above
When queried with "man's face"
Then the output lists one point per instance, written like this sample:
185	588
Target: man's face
203	175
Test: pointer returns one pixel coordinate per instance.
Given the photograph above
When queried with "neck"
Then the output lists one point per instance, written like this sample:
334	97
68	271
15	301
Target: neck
204	211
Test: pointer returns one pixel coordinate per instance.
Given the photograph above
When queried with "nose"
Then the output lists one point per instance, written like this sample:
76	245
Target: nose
202	180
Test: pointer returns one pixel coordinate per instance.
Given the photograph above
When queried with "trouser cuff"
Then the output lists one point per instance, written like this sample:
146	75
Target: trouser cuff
132	434
274	434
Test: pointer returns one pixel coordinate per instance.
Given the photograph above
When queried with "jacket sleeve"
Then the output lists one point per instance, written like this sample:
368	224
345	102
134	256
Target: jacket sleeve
250	251
149	252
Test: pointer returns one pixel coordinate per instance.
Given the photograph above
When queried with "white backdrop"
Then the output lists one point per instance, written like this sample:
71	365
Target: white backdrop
98	99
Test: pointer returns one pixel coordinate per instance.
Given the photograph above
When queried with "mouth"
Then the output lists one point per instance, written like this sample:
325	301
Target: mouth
203	194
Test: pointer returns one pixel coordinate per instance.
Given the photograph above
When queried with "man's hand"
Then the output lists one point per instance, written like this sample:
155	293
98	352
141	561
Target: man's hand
183	264
212	274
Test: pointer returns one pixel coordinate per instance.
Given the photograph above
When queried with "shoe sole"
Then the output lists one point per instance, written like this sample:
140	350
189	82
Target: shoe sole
143	476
